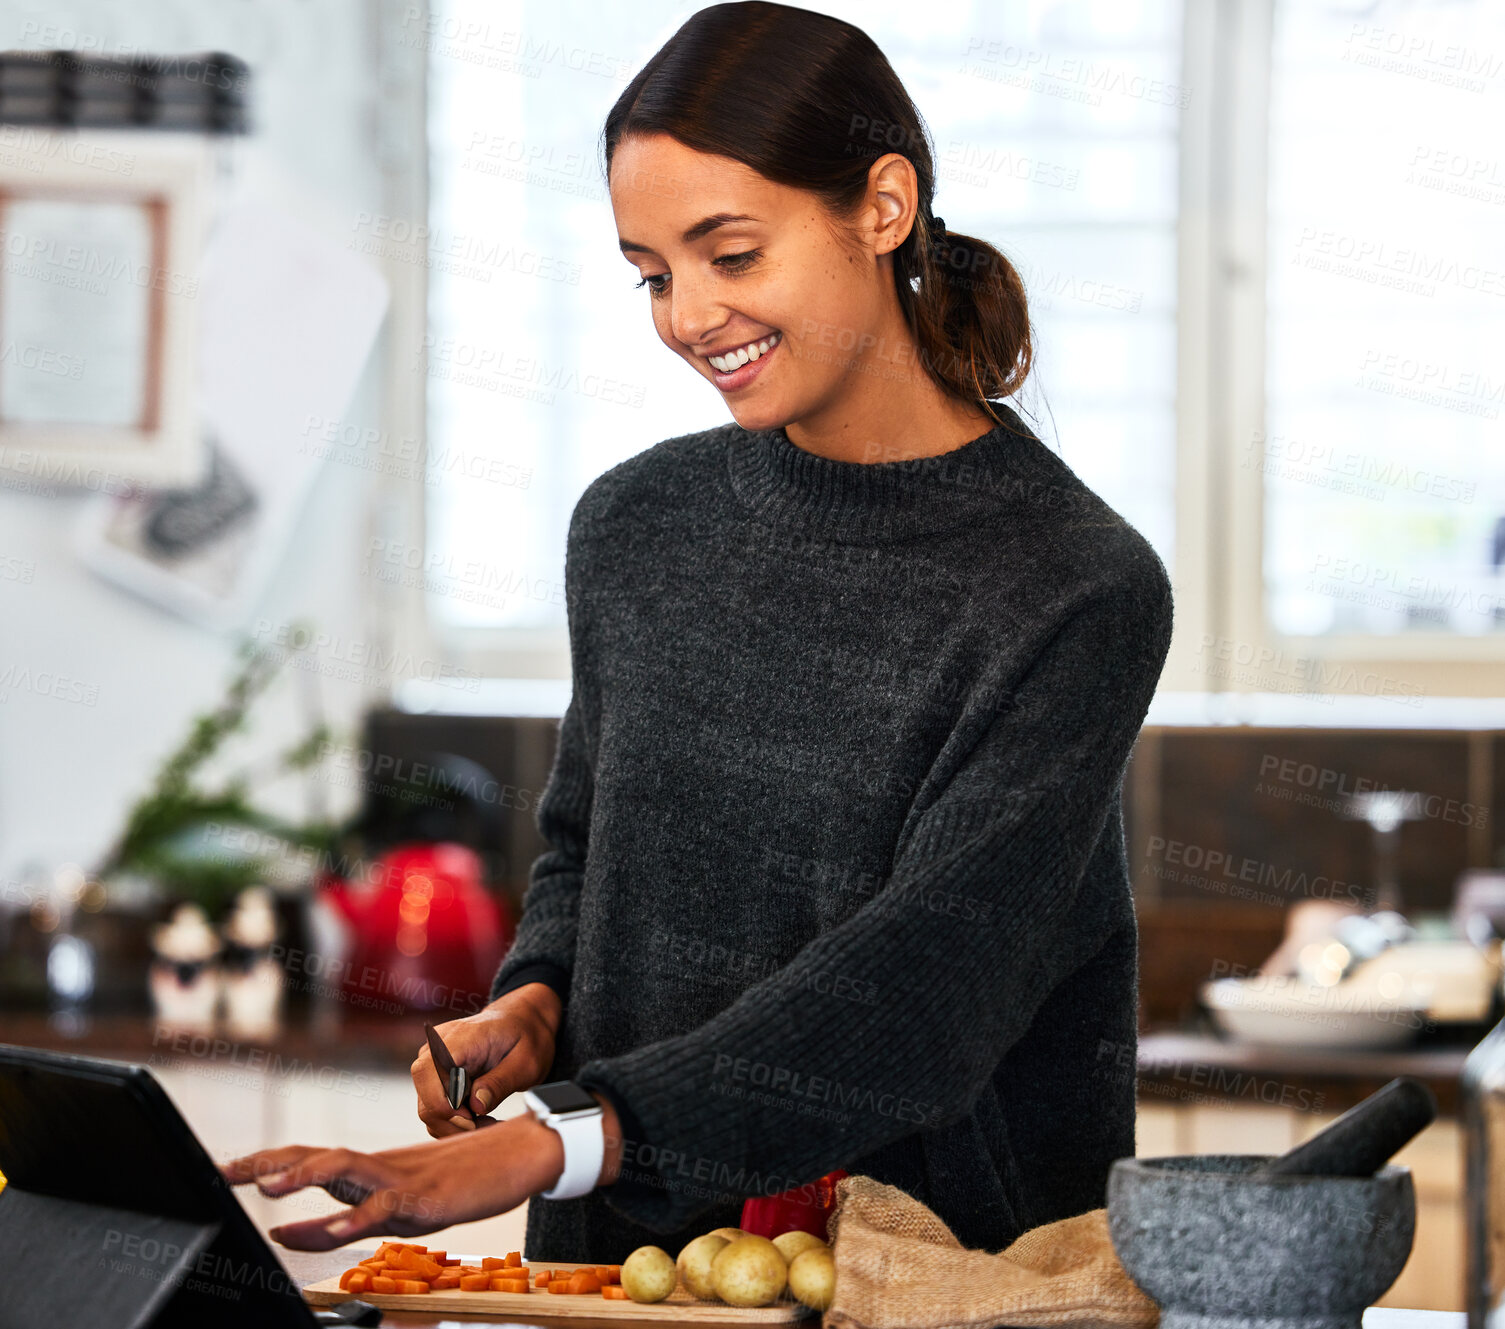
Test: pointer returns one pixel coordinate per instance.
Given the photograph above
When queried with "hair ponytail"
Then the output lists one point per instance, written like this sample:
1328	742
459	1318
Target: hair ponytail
968	313
760	82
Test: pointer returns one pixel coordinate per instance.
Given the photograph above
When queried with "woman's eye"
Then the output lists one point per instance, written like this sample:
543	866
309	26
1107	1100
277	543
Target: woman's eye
729	262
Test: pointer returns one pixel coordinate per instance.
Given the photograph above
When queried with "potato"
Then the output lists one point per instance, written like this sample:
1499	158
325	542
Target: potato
791	1244
748	1272
812	1277
648	1274
729	1233
694	1264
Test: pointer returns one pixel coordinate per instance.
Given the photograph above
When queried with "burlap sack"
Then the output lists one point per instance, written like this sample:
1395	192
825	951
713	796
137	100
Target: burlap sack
899	1267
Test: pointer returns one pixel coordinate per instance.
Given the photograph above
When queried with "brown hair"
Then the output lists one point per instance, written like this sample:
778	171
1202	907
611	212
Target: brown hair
809	101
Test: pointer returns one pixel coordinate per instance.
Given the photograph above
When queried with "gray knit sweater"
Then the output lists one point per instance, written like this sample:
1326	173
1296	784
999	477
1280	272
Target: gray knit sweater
837	873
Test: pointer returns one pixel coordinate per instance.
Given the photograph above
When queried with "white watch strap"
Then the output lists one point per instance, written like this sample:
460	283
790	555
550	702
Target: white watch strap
584	1140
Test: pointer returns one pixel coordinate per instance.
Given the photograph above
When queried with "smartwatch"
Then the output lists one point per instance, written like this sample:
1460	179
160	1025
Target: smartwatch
574	1115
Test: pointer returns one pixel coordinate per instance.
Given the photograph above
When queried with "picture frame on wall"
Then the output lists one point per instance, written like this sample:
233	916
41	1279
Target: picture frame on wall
101	237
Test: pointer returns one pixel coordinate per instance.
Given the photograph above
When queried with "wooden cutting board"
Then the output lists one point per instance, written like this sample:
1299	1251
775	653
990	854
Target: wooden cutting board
679	1305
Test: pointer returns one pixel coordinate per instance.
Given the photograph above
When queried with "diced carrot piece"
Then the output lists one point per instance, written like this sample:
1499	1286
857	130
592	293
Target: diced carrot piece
514	1259
380	1284
437	1256
583	1280
475	1282
452	1262
491	1262
420	1265
411	1246
603	1272
557	1285
445	1281
411	1285
509	1284
614	1292
354	1280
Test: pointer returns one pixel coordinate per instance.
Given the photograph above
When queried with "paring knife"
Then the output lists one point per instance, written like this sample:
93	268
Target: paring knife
455	1079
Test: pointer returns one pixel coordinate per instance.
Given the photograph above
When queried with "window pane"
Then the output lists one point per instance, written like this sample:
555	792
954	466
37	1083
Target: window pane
1055	130
1384	476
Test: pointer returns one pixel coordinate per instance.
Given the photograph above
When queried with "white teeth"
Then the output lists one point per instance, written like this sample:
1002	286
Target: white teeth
752	351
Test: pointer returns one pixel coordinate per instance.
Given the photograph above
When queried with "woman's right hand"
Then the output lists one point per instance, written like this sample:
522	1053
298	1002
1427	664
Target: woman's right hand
506	1046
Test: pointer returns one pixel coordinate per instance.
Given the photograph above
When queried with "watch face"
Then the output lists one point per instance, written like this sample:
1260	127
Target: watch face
565	1096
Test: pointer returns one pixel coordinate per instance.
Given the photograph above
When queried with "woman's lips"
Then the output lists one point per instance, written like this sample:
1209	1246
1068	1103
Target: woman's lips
740	378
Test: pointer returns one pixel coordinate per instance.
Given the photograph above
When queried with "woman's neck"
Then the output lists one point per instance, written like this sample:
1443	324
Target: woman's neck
890	426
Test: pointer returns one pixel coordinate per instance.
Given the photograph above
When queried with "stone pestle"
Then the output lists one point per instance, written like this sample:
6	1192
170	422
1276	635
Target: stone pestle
1362	1140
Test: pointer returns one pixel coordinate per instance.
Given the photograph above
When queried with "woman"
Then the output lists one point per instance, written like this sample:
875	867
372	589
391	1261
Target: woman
836	873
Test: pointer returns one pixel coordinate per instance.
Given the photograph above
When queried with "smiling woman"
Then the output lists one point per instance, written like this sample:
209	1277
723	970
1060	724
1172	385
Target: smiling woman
836	875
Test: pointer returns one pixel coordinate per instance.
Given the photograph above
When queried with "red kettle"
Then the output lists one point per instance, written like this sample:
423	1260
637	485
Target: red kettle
426	934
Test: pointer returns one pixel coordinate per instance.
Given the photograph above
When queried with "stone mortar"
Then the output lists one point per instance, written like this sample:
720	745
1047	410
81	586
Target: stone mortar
1217	1249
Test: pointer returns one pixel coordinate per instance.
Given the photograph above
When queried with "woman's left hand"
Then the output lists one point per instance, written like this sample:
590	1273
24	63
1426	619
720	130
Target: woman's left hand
408	1191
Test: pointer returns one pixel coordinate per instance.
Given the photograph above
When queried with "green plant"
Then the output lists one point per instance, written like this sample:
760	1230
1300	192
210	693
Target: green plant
163	832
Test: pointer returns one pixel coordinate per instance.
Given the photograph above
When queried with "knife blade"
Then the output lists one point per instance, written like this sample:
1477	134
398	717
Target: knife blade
455	1079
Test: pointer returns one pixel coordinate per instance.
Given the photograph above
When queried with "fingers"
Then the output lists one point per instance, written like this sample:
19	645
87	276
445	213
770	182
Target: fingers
434	1110
370	1217
348	1176
265	1164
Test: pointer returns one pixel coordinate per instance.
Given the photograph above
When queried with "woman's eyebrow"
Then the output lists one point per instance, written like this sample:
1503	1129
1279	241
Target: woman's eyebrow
703	227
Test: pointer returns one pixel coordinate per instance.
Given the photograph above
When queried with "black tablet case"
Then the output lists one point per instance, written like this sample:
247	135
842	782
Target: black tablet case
114	1217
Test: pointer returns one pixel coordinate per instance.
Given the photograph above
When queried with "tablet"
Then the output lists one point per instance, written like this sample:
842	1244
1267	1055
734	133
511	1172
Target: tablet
114	1213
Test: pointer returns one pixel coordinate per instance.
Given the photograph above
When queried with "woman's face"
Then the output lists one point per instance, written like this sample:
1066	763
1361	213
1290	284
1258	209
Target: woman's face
730	260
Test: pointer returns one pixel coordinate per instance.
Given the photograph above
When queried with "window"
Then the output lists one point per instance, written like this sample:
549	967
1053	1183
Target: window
1383	471
1261	244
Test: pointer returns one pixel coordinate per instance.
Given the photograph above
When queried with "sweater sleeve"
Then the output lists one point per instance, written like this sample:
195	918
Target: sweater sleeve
892	1020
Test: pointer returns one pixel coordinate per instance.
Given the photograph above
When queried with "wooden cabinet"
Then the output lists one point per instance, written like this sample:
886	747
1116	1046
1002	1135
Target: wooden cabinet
1433	1277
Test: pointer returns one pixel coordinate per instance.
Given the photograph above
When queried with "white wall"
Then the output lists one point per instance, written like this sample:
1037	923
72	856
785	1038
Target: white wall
68	770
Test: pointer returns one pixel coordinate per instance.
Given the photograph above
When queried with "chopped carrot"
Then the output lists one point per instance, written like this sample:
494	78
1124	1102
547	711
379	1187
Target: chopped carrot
603	1272
420	1265
509	1284
491	1262
355	1280
412	1246
475	1282
437	1256
614	1292
558	1285
451	1263
380	1284
514	1260
445	1281
542	1275
411	1285
583	1280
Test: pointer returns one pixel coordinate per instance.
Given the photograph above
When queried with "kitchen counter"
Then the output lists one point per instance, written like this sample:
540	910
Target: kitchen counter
1171	1067
311	1266
1182	1067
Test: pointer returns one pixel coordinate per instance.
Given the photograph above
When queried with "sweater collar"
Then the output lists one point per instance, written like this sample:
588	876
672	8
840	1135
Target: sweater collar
876	502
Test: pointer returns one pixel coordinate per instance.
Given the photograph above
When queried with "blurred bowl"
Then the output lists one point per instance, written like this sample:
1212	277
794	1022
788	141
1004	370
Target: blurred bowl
1283	1012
